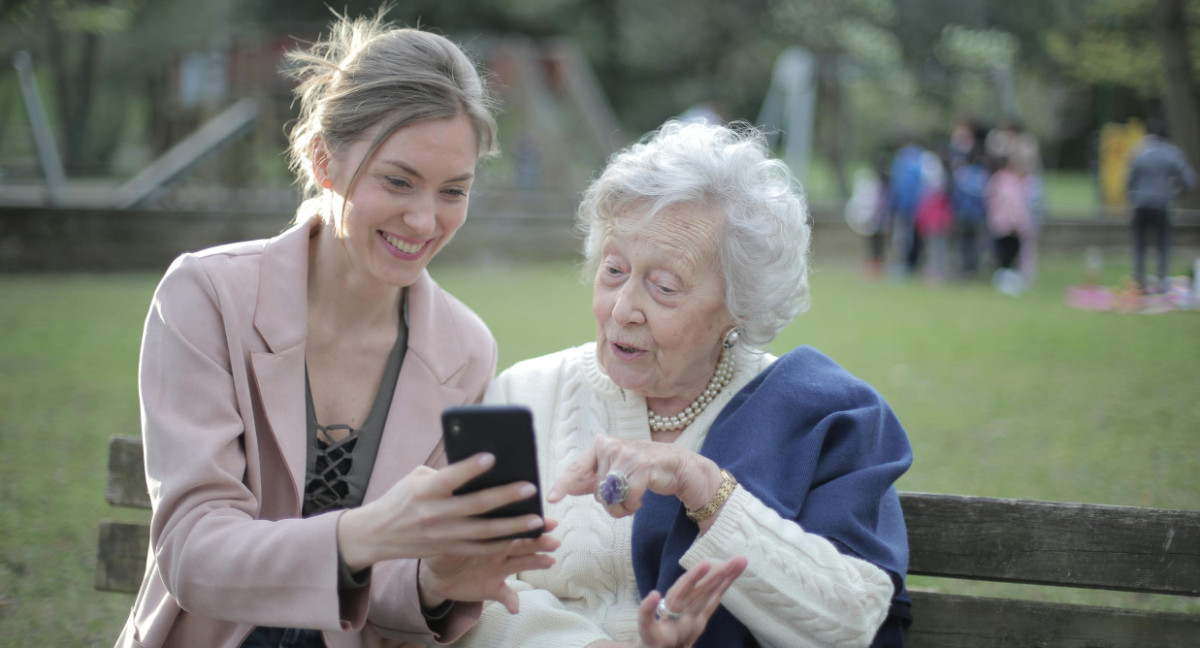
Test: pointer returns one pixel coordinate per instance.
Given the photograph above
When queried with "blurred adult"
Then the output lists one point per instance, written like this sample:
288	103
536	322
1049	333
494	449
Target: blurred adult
708	493
1010	143
1158	172
291	388
905	189
966	140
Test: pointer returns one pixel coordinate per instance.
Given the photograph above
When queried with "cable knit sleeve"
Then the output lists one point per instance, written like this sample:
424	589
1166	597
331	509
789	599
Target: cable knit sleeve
797	590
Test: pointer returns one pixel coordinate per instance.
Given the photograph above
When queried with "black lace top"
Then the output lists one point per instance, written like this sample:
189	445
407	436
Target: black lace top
340	458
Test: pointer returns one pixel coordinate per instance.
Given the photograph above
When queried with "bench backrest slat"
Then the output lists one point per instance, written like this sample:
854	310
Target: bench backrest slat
948	621
126	485
122	556
1052	543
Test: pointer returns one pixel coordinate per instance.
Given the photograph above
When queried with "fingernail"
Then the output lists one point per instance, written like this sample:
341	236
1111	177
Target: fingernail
552	495
487	459
528	490
536	523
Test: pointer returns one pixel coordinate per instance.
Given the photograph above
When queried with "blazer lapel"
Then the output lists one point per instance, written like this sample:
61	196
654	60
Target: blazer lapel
280	380
412	434
281	318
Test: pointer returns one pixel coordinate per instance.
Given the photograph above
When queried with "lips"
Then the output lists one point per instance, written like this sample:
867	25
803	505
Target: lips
625	351
403	246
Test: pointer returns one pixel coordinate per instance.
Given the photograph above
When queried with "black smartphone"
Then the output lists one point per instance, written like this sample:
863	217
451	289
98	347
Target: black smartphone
506	431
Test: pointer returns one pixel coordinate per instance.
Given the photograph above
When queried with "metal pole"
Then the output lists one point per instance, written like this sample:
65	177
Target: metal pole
52	168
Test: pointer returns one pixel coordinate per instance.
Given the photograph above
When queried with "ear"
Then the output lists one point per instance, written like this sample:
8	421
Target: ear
320	162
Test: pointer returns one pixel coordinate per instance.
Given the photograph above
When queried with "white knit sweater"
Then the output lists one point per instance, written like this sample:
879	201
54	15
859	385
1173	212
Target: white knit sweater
797	590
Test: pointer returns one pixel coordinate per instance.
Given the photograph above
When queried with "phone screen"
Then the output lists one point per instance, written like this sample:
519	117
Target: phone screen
506	431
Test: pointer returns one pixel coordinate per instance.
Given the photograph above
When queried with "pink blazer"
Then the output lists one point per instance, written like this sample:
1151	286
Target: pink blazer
223	422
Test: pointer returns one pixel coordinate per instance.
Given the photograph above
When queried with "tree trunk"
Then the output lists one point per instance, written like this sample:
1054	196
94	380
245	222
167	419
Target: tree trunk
56	56
608	13
831	137
1183	112
79	131
837	144
73	58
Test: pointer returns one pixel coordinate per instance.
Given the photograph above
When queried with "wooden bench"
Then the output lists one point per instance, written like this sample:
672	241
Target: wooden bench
1121	548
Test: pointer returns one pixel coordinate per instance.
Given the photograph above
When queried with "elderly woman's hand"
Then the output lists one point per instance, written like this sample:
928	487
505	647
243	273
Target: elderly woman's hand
663	468
688	605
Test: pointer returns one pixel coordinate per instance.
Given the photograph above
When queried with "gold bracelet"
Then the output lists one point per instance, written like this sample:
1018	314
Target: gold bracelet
728	483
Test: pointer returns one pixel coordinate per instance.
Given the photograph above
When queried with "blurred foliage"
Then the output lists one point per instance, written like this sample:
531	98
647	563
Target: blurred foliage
1113	42
976	49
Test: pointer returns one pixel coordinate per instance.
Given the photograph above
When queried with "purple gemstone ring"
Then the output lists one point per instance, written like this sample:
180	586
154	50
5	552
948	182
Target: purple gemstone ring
613	489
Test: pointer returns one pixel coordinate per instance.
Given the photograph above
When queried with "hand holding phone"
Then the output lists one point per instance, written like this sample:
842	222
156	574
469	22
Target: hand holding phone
506	431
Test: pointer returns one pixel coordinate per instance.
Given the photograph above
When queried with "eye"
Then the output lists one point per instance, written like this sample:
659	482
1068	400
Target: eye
455	193
667	284
610	274
400	183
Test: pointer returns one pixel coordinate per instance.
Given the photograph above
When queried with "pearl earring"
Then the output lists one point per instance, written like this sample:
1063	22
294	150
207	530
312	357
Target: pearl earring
731	338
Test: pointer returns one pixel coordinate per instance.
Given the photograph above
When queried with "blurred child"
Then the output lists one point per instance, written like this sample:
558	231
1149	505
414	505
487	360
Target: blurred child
1008	221
934	216
969	183
867	212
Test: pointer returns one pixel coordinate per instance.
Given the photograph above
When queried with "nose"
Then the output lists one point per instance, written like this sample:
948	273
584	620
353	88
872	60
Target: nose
420	214
627	309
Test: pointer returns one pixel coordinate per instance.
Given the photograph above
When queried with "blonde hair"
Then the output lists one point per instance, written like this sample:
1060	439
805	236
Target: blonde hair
366	73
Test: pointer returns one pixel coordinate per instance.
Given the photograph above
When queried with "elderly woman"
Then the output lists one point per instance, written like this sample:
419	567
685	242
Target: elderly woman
700	454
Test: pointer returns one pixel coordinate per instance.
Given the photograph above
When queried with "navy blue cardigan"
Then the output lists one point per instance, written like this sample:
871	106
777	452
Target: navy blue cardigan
819	446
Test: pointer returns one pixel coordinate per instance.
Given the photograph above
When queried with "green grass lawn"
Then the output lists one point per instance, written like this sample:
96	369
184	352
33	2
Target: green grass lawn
1000	396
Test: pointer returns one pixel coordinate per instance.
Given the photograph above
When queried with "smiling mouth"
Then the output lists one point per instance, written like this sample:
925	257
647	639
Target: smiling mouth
625	349
401	244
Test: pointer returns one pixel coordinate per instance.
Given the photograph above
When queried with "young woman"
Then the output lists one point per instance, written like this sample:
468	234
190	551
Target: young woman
291	388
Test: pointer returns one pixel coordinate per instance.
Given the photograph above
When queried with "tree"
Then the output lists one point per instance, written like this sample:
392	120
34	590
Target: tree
68	38
1183	113
1143	46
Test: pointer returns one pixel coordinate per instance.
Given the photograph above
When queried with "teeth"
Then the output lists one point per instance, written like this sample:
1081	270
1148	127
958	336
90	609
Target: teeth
408	248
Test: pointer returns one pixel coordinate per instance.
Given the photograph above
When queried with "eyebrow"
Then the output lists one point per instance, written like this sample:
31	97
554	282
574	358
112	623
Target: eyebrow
413	172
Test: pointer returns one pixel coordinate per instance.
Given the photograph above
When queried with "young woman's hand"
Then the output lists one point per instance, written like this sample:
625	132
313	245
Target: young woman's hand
420	517
482	577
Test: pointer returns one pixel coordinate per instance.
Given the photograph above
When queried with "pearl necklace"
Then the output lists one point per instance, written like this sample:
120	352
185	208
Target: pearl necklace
720	378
